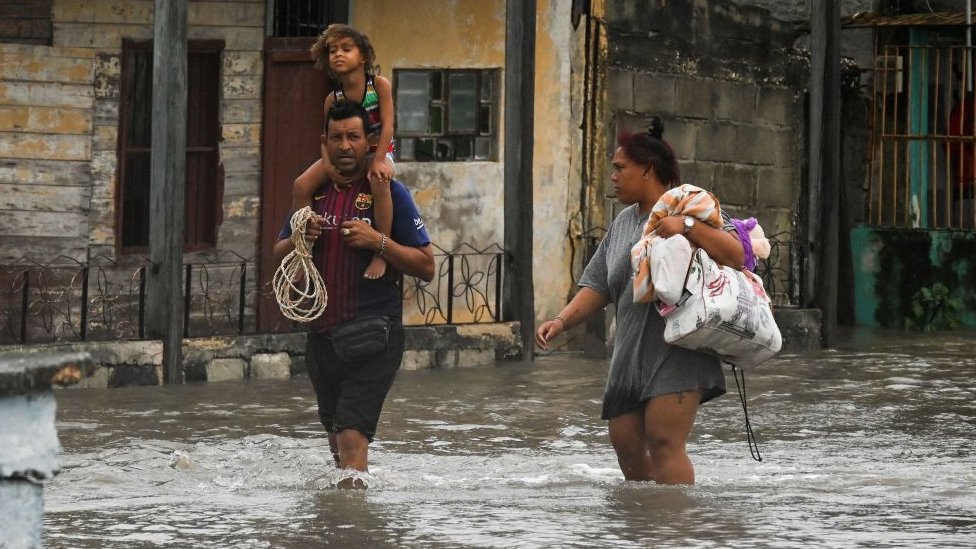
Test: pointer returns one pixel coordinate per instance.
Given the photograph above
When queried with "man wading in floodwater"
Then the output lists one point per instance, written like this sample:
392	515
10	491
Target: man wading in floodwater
351	389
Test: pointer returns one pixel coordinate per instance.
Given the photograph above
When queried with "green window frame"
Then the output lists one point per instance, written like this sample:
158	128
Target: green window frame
446	115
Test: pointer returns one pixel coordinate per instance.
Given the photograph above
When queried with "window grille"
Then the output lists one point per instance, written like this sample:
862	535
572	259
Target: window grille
923	154
298	18
446	115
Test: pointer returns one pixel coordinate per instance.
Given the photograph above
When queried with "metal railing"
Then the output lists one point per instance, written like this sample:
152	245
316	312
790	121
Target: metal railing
105	299
777	272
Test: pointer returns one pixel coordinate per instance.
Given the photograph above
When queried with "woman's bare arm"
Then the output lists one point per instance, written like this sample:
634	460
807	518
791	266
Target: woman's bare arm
584	304
722	246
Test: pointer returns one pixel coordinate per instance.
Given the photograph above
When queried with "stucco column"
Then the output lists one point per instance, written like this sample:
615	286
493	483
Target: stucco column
28	439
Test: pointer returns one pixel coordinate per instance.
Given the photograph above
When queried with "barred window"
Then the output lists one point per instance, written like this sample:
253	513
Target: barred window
298	18
203	193
446	115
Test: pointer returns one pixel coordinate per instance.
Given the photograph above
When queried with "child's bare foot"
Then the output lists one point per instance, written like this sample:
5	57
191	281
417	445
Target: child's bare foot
376	268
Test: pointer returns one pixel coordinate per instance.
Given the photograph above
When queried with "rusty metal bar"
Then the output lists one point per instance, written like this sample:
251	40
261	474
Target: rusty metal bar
933	219
968	181
907	214
948	164
939	137
894	172
875	140
884	123
964	103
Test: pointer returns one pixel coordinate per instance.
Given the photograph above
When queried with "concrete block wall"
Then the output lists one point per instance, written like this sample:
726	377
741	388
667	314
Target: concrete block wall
723	77
737	139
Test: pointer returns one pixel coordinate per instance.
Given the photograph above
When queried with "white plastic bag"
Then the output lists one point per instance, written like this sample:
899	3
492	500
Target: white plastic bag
724	312
669	265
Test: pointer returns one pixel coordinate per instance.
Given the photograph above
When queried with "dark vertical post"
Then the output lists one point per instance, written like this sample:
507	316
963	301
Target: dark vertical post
499	266
450	289
142	303
187	298
825	176
167	182
84	303
24	307
520	16
241	296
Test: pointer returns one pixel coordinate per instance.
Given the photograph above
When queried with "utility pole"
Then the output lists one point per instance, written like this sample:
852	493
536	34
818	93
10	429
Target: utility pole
824	162
520	16
164	302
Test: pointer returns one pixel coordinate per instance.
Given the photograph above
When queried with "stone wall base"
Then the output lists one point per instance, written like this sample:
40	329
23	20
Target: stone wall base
279	356
800	328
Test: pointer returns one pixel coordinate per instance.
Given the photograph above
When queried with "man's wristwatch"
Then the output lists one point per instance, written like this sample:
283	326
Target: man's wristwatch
689	223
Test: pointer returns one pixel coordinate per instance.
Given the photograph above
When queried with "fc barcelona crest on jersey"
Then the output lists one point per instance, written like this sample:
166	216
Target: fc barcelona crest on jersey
364	201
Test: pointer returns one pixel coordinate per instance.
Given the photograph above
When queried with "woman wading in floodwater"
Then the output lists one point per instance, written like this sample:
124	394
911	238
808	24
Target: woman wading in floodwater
653	389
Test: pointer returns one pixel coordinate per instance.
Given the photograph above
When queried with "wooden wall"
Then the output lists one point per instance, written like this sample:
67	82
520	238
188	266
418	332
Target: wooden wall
46	122
25	21
59	115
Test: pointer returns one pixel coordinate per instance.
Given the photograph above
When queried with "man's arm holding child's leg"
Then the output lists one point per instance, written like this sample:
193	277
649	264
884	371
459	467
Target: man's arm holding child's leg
409	260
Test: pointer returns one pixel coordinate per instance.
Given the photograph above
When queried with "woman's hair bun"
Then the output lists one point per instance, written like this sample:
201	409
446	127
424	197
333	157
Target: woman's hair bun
656	128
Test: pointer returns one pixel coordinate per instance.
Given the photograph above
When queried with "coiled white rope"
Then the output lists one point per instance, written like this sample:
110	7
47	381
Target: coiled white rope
305	303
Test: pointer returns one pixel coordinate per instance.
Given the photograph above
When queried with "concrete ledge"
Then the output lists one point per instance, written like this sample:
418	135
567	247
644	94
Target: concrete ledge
277	356
800	328
270	366
503	339
24	372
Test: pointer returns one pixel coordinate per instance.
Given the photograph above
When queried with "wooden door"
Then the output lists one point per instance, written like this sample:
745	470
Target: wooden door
294	92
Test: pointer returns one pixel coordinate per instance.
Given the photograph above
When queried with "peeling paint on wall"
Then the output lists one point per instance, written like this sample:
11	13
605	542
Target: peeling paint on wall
463	202
891	265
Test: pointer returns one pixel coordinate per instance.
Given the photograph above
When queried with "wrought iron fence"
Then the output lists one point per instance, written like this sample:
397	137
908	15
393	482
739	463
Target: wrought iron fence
105	299
466	289
777	272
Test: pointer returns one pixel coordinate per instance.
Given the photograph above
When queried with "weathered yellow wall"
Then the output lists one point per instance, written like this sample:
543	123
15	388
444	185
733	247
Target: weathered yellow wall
556	138
463	202
440	34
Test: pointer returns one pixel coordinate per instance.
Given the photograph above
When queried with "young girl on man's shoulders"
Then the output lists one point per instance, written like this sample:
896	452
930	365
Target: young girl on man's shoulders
349	57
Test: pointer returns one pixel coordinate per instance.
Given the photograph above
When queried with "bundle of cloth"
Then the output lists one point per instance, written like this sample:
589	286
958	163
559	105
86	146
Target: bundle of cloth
694	201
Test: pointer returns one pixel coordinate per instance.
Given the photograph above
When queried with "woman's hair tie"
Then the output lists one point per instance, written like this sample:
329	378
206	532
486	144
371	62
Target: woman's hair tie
656	128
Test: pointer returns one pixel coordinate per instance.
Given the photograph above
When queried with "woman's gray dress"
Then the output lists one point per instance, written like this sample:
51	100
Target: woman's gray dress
643	366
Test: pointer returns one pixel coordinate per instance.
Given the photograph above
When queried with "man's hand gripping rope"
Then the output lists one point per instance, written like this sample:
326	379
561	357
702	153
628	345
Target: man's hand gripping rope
298	266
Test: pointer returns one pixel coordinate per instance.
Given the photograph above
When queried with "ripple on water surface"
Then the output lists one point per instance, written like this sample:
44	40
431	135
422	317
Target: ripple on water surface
864	446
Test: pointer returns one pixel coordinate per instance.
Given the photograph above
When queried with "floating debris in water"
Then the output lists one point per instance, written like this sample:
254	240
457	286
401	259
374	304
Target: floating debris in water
180	460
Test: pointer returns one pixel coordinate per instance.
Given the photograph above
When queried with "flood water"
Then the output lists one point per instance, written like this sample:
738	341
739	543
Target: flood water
870	445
